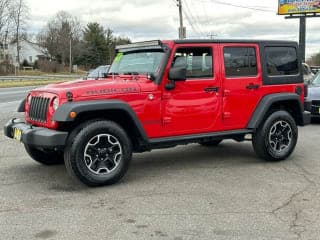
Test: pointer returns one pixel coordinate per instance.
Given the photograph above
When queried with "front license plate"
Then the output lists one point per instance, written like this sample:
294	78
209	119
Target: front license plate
17	133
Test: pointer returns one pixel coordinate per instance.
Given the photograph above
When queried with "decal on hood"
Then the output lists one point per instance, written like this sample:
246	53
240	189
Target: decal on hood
112	91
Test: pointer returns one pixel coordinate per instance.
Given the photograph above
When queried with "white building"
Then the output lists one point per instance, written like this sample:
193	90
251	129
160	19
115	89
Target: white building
29	51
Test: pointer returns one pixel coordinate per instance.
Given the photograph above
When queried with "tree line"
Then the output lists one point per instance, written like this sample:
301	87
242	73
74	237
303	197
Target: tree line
314	60
13	18
64	39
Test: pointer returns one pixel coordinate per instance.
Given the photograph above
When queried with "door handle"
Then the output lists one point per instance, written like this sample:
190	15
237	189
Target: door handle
253	86
212	89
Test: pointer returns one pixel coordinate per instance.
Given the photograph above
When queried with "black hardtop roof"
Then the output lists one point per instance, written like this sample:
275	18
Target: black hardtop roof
234	41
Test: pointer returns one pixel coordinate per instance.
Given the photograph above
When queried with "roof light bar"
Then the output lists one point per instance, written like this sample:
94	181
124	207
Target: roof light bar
154	43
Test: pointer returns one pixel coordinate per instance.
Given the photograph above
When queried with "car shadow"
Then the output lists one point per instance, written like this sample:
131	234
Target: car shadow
144	166
228	154
315	121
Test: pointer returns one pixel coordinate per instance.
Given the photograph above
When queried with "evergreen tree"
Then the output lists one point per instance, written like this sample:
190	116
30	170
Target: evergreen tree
95	46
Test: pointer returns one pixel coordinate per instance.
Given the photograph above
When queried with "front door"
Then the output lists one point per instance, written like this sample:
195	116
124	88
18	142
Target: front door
193	106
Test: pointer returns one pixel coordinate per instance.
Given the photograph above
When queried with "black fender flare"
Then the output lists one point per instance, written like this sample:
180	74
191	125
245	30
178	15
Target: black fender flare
267	101
62	114
22	106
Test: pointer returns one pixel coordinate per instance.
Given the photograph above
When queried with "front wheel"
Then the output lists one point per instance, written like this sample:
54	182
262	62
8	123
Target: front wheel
276	138
99	154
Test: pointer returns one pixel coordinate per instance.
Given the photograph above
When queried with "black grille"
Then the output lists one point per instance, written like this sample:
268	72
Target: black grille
39	109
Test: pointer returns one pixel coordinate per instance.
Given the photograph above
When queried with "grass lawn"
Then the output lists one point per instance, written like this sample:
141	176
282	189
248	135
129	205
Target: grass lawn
38	73
24	83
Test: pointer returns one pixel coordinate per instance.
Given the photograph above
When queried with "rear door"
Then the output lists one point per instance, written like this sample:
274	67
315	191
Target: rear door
242	80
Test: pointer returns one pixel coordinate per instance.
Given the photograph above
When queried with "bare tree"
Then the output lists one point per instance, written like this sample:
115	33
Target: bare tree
5	21
61	37
19	13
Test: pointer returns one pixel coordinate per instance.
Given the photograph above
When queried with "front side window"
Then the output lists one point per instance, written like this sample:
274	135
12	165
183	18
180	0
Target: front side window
240	61
282	61
197	61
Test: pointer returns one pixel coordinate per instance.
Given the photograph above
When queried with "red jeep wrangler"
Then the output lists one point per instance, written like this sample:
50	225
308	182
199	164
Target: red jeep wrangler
164	93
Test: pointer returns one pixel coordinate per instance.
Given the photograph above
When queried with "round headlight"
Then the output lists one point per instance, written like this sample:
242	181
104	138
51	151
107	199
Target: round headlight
55	103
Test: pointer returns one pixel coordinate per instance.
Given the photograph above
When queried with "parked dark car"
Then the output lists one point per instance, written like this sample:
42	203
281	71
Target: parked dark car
314	69
313	99
99	72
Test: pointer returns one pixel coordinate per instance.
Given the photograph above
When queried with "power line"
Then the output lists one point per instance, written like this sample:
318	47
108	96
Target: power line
256	8
194	16
174	2
191	19
204	10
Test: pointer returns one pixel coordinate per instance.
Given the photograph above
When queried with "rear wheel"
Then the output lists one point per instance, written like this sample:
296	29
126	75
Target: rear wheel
276	138
43	156
99	154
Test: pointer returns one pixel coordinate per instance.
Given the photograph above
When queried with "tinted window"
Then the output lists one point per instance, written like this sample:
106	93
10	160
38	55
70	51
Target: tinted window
240	61
197	61
281	61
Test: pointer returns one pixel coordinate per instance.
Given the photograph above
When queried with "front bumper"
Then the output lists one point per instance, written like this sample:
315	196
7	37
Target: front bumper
36	136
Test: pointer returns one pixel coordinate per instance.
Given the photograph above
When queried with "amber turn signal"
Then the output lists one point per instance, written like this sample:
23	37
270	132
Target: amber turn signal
73	114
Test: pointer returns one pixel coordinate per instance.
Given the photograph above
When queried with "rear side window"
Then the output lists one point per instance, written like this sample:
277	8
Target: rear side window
197	61
281	61
240	61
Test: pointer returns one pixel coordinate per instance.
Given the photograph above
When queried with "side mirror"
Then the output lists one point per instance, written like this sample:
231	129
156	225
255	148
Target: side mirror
178	74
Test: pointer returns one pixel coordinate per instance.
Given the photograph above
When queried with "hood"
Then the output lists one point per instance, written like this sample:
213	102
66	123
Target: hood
313	92
86	88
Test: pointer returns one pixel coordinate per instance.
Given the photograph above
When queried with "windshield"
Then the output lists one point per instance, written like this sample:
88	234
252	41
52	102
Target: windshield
316	80
146	62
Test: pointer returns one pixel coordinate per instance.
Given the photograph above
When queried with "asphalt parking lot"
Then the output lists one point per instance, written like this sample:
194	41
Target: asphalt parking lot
187	192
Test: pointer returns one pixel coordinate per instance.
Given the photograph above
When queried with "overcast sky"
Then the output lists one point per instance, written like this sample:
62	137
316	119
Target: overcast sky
150	19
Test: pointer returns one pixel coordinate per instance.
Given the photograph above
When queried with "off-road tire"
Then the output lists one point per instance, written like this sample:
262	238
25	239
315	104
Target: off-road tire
89	134
279	130
44	157
211	143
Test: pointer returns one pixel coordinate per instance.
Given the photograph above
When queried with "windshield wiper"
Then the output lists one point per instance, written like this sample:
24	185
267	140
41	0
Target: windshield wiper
131	73
113	73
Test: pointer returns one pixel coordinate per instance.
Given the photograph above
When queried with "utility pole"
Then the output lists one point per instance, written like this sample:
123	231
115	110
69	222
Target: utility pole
70	54
182	29
302	10
302	38
302	31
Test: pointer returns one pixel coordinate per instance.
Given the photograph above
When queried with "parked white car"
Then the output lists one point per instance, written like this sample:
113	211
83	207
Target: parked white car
307	73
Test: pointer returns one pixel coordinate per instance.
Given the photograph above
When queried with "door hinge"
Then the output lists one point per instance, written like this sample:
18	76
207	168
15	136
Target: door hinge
226	115
226	92
166	96
166	120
